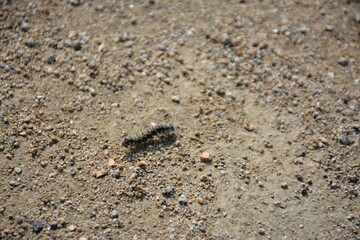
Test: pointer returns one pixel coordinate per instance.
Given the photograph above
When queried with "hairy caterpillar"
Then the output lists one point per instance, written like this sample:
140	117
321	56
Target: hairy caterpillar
148	133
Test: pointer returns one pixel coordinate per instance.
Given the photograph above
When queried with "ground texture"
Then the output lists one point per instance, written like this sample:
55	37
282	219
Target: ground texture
264	97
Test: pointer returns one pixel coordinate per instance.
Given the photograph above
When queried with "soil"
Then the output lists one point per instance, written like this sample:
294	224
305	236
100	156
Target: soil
264	97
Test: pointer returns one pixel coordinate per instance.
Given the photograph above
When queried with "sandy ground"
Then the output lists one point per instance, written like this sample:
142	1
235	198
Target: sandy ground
264	97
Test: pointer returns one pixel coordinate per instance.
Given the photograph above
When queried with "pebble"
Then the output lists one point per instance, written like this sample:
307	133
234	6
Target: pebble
220	91
345	140
114	214
18	170
250	127
111	162
72	228
37	226
182	199
18	219
49	128
77	46
175	99
329	28
10	68
299	177
51	60
261	231
343	62
53	225
25	26
142	164
284	185
100	173
168	192
30	42
76	2
357	17
116	174
205	157
92	91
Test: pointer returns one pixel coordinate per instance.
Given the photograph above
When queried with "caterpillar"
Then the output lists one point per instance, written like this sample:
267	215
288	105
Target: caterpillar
148	133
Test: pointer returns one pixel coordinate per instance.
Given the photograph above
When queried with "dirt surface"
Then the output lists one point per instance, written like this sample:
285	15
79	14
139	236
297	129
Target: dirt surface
264	97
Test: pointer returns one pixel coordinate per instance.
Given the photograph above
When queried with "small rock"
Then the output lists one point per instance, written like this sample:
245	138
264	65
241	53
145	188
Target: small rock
76	2
100	173
182	199
111	163
51	60
142	164
250	127
18	170
161	47
261	231
357	17
37	226
53	225
25	26
68	43
92	91
18	219
116	174
77	46
30	42
329	28
205	157
72	228
114	214
10	68
133	21
299	177
304	192
43	163
49	70
49	128
168	192
267	144
345	140
343	62
284	185
175	99
220	91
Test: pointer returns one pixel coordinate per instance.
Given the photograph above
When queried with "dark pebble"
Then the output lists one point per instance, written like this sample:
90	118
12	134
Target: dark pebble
54	44
37	226
30	42
353	179
304	192
120	224
53	225
345	140
116	174
343	62
51	60
77	46
299	177
168	192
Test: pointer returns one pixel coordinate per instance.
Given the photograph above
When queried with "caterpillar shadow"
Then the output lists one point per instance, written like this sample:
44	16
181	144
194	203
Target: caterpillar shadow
153	144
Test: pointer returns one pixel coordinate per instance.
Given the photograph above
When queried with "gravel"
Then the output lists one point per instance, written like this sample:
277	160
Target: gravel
263	96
